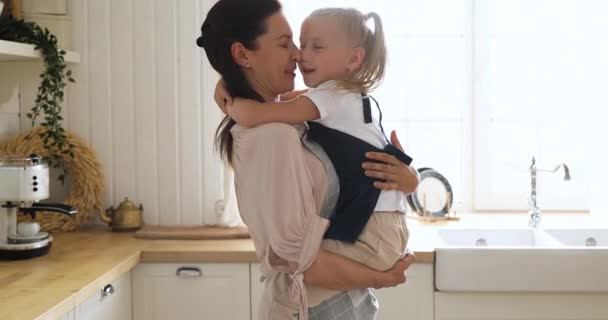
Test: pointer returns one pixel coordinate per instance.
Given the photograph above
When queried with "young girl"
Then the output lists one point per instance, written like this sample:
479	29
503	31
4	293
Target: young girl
341	61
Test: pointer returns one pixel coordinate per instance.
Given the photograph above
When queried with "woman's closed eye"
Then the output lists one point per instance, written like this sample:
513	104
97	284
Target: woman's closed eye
287	44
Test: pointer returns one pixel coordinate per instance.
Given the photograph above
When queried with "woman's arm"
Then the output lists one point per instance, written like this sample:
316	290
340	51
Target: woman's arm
250	113
336	272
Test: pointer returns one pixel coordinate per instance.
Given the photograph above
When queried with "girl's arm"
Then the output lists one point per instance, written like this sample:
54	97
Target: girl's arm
250	113
336	272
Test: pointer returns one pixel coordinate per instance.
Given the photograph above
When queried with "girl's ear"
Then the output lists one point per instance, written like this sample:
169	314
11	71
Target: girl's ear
356	59
239	54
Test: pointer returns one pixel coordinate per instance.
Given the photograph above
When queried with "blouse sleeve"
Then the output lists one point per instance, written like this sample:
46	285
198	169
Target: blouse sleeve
278	198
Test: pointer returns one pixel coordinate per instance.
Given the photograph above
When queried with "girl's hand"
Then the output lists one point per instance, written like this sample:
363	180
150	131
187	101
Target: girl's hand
398	175
243	111
234	109
292	95
221	96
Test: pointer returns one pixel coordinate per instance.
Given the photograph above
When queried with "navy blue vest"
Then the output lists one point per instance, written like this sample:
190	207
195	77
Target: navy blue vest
358	196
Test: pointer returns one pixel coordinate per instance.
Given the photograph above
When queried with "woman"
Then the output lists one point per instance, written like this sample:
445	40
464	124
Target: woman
285	189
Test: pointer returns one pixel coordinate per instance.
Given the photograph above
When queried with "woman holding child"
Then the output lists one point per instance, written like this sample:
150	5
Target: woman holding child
326	227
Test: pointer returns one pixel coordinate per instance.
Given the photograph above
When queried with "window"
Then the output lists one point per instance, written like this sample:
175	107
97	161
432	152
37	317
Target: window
475	89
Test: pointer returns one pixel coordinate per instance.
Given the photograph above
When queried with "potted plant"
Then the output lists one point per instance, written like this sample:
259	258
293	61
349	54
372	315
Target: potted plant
47	106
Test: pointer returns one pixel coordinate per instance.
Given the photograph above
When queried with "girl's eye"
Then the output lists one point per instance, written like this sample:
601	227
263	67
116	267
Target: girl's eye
318	47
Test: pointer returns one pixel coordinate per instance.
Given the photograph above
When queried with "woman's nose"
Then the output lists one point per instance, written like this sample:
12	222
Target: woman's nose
296	54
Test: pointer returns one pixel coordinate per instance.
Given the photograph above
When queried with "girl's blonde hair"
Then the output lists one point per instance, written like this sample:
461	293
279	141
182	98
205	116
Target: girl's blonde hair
371	72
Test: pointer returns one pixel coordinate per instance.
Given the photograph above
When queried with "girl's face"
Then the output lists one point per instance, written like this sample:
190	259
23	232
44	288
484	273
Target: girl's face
272	65
326	51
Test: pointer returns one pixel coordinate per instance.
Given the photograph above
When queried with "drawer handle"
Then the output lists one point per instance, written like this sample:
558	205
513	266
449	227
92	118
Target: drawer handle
189	272
108	290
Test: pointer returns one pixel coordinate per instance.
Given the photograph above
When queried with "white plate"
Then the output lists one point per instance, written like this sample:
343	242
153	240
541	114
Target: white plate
434	195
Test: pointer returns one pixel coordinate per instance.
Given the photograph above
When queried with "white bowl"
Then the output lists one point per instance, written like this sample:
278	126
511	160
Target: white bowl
28	229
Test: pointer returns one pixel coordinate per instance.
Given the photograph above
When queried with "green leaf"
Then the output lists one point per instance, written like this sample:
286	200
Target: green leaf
47	103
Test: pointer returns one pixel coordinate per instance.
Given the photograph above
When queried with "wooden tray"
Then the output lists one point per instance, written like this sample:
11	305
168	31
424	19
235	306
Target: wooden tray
431	219
192	232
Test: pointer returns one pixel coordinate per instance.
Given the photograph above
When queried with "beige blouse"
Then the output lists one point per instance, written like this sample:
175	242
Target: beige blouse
280	187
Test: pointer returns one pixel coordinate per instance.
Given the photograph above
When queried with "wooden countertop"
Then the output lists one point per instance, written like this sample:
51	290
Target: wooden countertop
81	263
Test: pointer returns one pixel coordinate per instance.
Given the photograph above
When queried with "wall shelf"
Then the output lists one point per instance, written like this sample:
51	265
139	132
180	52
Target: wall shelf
15	51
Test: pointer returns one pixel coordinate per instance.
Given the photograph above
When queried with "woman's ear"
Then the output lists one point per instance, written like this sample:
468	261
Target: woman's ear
356	59
239	54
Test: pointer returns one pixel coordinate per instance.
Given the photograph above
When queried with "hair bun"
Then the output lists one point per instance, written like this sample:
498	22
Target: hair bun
201	41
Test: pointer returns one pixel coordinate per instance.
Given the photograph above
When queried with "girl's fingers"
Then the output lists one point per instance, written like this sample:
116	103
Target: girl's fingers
292	95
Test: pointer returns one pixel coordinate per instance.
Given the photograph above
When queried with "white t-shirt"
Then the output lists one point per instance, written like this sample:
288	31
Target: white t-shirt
343	110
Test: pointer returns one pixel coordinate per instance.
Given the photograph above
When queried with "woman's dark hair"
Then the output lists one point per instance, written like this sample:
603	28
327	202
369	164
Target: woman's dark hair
227	22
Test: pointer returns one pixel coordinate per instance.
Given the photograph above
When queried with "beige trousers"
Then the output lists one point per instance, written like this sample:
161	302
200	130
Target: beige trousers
381	244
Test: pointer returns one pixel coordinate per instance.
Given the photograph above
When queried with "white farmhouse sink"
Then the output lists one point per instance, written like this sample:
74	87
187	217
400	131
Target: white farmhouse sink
581	237
517	260
467	238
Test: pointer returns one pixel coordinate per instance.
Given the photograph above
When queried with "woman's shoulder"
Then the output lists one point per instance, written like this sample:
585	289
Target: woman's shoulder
259	140
265	130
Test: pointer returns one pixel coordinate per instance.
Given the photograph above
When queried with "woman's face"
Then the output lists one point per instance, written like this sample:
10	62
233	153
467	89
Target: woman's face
272	65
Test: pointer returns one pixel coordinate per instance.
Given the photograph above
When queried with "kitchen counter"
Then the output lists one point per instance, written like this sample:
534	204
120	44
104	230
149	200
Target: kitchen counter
81	263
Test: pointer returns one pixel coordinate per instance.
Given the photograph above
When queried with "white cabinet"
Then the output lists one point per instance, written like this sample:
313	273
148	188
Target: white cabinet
191	291
113	301
520	306
412	300
257	288
69	316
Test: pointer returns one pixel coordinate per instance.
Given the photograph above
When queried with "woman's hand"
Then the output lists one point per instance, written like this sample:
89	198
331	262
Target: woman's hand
221	96
397	274
398	175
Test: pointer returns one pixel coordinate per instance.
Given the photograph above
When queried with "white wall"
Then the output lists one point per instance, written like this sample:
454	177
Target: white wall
143	100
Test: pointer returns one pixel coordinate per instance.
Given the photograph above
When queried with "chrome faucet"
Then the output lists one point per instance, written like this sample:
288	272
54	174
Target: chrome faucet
534	210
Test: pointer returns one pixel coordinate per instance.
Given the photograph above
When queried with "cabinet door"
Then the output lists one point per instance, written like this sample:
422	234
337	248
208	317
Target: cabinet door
191	291
112	302
257	288
68	316
520	306
412	300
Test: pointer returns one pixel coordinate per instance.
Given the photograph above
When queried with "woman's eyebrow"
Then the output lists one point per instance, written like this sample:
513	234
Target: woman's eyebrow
284	36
